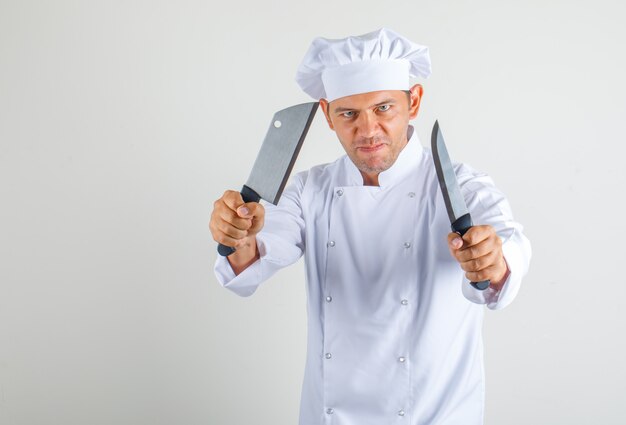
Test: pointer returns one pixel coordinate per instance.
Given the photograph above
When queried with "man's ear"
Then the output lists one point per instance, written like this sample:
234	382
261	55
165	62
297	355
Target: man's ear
416	98
326	108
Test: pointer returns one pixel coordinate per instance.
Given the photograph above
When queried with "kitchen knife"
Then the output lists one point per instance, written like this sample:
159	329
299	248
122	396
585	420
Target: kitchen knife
460	218
277	156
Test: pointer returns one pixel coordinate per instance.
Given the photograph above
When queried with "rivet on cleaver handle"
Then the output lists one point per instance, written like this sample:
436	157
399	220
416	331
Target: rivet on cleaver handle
277	156
460	218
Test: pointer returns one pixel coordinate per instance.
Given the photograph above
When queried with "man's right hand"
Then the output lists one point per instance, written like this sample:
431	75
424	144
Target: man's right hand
235	223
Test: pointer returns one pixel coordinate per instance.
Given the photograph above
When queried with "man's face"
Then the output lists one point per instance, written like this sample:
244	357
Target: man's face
372	127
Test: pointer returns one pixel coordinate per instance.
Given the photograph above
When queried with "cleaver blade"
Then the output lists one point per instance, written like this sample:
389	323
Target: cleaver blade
277	156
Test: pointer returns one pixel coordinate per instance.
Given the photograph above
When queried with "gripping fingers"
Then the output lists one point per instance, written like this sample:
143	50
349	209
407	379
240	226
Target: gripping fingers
475	251
480	263
231	217
231	231
478	234
232	199
233	223
484	274
227	240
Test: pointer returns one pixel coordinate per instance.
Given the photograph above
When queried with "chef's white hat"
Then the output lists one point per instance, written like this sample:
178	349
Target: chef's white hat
379	60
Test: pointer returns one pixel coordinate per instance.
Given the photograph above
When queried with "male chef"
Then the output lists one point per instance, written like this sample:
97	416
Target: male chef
394	327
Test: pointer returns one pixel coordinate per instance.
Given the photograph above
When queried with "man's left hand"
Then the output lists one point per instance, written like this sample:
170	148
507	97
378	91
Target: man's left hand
479	252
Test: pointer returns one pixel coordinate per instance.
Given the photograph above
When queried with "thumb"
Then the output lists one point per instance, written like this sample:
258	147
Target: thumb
243	211
248	210
455	241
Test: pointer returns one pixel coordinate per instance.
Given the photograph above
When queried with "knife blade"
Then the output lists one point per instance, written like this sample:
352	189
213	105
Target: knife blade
276	157
460	218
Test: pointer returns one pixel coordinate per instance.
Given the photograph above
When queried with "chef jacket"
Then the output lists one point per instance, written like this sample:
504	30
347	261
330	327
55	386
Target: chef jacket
394	328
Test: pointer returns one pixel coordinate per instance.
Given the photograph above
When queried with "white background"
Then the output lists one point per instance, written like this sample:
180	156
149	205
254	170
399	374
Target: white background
122	121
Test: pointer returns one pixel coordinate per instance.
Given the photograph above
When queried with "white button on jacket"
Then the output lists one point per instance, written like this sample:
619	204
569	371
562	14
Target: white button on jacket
383	258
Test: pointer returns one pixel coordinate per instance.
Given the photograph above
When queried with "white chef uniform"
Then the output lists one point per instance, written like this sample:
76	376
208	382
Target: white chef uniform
394	328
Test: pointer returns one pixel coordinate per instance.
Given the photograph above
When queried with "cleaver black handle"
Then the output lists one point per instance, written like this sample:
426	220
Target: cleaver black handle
248	195
461	225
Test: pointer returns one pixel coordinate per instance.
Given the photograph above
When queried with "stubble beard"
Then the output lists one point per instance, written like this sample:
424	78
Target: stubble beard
365	167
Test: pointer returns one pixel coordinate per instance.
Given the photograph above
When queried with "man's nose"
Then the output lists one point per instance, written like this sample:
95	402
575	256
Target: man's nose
367	125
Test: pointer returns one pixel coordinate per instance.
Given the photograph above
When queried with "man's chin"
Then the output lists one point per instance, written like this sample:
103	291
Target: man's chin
372	167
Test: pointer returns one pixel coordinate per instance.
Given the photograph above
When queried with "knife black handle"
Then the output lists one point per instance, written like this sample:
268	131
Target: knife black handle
461	225
248	195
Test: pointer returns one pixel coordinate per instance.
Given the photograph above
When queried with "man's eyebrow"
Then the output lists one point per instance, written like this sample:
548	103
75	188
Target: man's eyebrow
340	109
385	102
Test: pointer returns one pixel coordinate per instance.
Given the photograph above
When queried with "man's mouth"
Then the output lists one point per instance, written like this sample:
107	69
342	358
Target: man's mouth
371	148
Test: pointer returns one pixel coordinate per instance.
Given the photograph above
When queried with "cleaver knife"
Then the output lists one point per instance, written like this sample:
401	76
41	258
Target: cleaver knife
460	217
277	156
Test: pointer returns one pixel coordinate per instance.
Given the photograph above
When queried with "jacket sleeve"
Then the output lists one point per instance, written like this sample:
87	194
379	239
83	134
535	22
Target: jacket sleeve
487	205
280	242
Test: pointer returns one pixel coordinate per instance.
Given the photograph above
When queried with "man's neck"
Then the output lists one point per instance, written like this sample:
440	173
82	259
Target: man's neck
370	179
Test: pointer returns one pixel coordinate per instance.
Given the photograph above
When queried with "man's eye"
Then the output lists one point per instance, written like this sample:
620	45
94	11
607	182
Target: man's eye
384	108
348	114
